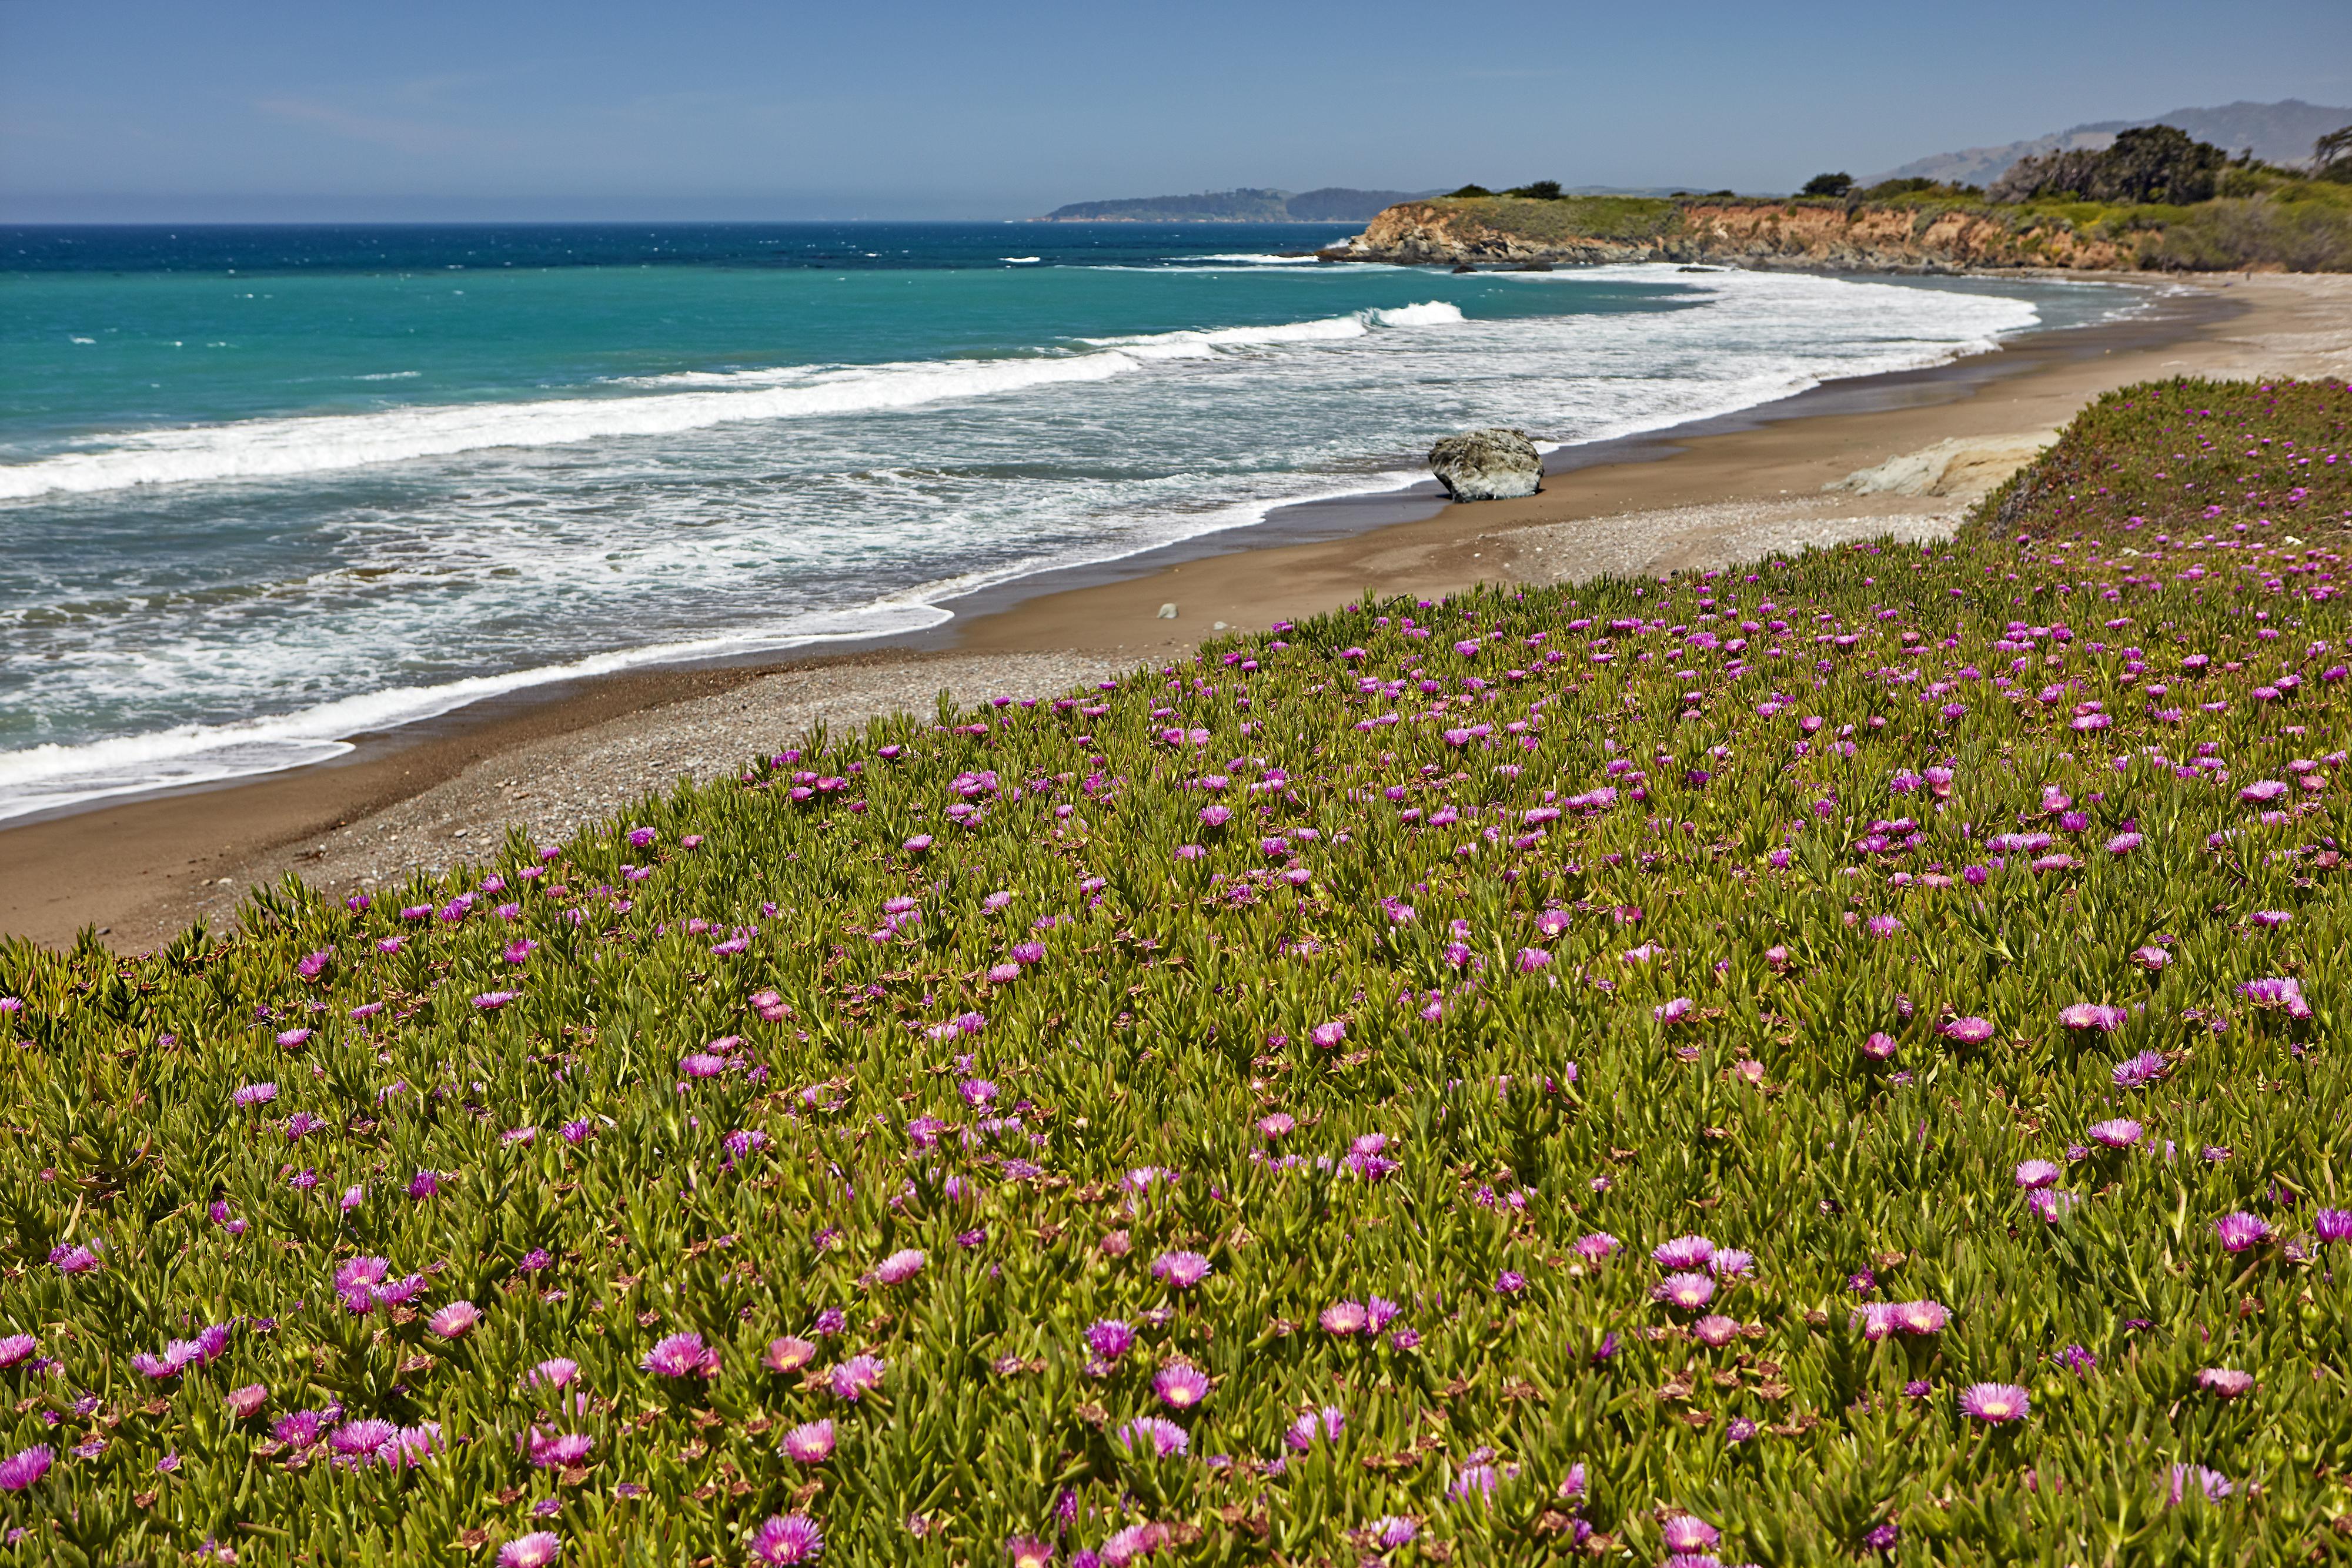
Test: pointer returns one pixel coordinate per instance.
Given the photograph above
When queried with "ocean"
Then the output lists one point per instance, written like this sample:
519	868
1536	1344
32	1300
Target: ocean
264	488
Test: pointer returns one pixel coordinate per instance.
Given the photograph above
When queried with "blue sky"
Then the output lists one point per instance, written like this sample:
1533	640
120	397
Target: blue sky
253	108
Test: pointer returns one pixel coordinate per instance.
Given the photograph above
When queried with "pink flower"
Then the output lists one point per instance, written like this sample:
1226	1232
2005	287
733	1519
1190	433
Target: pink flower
1180	1386
788	1353
786	1539
455	1320
1344	1317
536	1549
2227	1382
681	1355
25	1466
809	1443
899	1267
1688	1291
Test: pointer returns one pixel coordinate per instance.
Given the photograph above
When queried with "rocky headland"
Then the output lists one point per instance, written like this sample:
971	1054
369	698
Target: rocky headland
1505	231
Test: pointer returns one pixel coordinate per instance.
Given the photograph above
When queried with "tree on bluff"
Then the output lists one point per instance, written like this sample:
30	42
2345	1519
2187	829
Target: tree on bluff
2146	163
2331	156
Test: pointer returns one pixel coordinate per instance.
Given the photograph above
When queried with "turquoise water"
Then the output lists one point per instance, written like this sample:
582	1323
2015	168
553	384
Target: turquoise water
263	488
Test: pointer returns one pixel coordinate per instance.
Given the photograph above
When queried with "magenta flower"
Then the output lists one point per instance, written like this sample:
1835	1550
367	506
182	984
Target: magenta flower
557	1372
2032	1174
2136	1072
1879	1047
252	1094
1181	1269
899	1267
2151	958
1279	1124
1150	1434
1180	1386
73	1259
1688	1291
1968	1030
17	1348
2328	1225
1921	1317
1994	1403
25	1466
1345	1318
2227	1382
1673	1011
1109	1338
1884	925
856	1378
2283	993
2241	1230
2096	1016
1683	1253
455	1320
1596	1246
2117	1132
536	1549
1687	1533
561	1450
1715	1331
1329	1035
809	1443
244	1403
788	1353
681	1355
1730	1263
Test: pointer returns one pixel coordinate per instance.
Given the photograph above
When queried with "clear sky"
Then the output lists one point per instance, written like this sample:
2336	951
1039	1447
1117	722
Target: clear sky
187	109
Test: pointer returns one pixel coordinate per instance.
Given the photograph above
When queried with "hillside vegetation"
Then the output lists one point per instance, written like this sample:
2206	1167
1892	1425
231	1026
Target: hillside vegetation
1838	1060
2154	199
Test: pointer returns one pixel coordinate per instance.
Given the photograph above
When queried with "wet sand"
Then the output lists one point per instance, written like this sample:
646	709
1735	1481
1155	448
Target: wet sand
431	795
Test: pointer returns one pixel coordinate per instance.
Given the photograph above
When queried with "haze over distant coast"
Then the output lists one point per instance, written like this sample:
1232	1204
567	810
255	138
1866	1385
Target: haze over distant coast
1331	205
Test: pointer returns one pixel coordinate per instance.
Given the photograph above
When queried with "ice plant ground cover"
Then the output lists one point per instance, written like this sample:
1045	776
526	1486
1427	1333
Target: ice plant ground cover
1825	1062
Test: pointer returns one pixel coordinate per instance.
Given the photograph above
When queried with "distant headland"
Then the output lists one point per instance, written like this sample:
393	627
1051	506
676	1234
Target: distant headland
1331	204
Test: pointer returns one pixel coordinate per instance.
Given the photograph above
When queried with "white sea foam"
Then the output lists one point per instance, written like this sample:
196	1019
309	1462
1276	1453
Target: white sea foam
1431	313
278	448
1019	260
1252	258
44	778
1199	344
273	448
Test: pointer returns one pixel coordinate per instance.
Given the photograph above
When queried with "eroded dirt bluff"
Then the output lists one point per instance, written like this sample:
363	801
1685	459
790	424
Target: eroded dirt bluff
1739	233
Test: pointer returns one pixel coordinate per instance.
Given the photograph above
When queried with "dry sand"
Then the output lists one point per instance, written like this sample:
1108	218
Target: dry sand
426	798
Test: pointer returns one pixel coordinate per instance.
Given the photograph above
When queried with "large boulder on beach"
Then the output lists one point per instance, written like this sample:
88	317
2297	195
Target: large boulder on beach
1487	465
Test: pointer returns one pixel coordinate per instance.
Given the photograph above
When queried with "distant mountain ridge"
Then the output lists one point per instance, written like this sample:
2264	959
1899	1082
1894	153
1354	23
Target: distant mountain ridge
1331	205
2279	132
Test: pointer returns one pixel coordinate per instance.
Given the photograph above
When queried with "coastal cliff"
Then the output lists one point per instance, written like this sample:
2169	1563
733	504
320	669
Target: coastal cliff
1505	231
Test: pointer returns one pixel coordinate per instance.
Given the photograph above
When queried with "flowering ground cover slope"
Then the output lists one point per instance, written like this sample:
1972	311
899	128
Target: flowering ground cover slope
1833	1061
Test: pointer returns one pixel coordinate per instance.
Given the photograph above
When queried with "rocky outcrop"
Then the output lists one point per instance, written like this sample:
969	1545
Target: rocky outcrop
1487	465
1810	235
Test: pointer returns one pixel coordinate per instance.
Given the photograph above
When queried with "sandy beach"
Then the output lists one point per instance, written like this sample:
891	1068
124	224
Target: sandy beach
435	795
